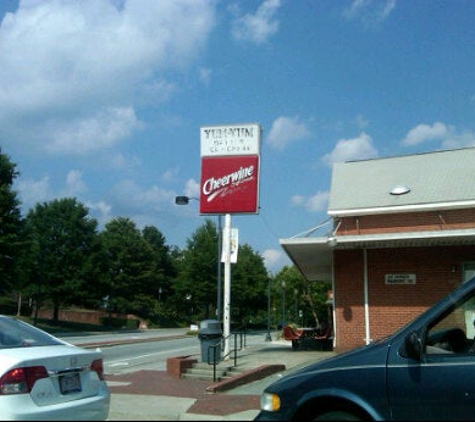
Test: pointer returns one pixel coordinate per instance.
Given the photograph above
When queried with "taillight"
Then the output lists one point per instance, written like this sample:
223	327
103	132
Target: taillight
98	367
21	380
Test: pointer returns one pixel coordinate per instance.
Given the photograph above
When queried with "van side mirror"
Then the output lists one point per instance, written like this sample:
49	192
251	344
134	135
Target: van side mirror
412	346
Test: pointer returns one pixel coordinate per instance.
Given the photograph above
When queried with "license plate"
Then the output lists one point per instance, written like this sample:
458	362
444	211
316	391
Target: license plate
70	383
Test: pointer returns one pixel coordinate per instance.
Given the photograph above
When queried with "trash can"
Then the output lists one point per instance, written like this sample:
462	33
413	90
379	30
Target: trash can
210	335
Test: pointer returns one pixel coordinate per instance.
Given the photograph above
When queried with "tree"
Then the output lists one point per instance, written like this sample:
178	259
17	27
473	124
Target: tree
63	241
248	285
165	271
10	224
197	281
310	297
131	269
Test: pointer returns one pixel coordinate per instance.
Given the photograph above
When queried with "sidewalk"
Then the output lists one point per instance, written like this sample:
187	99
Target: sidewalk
155	395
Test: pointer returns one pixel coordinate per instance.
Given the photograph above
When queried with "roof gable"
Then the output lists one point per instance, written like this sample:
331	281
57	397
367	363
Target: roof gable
435	180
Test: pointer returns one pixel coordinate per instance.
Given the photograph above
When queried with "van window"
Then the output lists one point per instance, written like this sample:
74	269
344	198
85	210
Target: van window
455	331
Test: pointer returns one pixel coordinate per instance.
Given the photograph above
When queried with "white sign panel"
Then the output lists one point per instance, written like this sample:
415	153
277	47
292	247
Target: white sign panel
234	246
240	139
400	279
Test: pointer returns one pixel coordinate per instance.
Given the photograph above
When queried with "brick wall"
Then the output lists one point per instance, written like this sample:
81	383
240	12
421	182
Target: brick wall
437	270
86	316
407	222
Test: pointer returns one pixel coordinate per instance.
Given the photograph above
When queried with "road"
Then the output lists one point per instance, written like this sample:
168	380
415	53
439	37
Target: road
149	350
150	355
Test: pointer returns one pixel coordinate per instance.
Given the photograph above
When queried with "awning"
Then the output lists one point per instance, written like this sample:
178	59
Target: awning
313	257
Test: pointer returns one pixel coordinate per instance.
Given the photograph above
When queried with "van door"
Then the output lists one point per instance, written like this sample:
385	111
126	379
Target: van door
441	385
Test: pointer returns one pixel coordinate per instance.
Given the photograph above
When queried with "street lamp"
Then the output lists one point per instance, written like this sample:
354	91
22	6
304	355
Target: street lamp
283	303
268	336
185	200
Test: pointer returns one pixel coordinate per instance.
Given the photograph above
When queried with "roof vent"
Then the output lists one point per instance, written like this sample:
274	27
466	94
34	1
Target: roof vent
399	190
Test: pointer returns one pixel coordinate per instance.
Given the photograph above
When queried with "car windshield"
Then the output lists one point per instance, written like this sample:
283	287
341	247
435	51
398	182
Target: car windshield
15	333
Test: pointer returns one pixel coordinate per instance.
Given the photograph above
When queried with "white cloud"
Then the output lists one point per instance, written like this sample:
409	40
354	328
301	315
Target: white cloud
275	259
258	27
447	135
128	196
352	149
74	184
370	12
120	161
361	122
315	203
81	136
101	210
31	192
205	75
70	67
169	175
422	133
286	130
459	140
192	188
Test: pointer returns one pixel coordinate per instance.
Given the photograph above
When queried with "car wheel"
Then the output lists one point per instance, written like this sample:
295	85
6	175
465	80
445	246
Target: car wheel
337	415
295	344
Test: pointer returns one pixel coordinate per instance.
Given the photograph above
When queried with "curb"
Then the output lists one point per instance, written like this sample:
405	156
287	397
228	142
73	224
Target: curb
245	378
91	345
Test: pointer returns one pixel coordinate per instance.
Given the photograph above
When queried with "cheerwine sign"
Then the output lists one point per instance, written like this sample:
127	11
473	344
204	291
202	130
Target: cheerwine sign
229	169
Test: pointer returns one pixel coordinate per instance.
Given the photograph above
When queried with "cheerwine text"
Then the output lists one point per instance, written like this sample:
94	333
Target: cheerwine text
213	186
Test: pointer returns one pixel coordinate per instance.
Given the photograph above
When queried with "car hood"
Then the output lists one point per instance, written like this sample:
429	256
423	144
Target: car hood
374	353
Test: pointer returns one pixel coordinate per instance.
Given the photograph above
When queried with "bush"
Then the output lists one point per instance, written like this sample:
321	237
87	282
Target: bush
8	306
131	324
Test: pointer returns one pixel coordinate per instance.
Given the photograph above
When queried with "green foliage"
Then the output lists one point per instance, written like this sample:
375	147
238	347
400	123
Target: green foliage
249	285
196	286
131	268
10	226
8	305
299	295
62	239
119	323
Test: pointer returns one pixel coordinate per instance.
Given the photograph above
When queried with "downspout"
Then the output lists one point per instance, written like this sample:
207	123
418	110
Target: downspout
366	304
333	300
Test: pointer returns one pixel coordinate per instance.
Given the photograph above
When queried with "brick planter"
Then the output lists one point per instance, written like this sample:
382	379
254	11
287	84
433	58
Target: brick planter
179	364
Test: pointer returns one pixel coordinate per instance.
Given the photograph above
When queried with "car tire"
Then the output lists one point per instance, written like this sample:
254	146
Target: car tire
295	345
337	415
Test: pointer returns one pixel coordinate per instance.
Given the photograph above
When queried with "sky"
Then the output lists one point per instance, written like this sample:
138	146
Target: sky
103	100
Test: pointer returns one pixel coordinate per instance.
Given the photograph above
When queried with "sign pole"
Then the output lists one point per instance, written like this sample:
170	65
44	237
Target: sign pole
227	284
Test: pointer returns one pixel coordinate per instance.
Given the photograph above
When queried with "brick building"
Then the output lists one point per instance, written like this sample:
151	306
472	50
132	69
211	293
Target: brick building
402	236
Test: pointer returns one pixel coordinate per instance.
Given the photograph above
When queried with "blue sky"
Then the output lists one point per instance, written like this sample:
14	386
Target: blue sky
103	100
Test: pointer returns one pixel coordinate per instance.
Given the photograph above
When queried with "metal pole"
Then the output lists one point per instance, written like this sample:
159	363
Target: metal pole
219	309
227	284
268	336
283	303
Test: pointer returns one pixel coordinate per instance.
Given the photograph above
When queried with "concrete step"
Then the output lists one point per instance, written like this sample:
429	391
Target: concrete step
202	370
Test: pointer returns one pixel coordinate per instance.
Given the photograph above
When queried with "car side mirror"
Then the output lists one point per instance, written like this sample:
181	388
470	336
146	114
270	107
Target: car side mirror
413	346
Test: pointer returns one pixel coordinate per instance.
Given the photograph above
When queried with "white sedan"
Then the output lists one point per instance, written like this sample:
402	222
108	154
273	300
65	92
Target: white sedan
45	378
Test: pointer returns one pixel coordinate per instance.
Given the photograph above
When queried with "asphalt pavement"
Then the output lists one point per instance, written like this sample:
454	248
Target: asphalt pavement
156	395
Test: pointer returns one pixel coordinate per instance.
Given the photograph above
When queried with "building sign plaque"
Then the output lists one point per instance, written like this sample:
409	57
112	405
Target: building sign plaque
400	279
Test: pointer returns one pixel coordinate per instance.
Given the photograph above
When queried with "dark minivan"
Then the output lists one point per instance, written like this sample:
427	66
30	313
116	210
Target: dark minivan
424	371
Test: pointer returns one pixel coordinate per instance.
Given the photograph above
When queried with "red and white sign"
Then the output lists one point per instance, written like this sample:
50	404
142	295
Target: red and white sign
229	184
230	169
